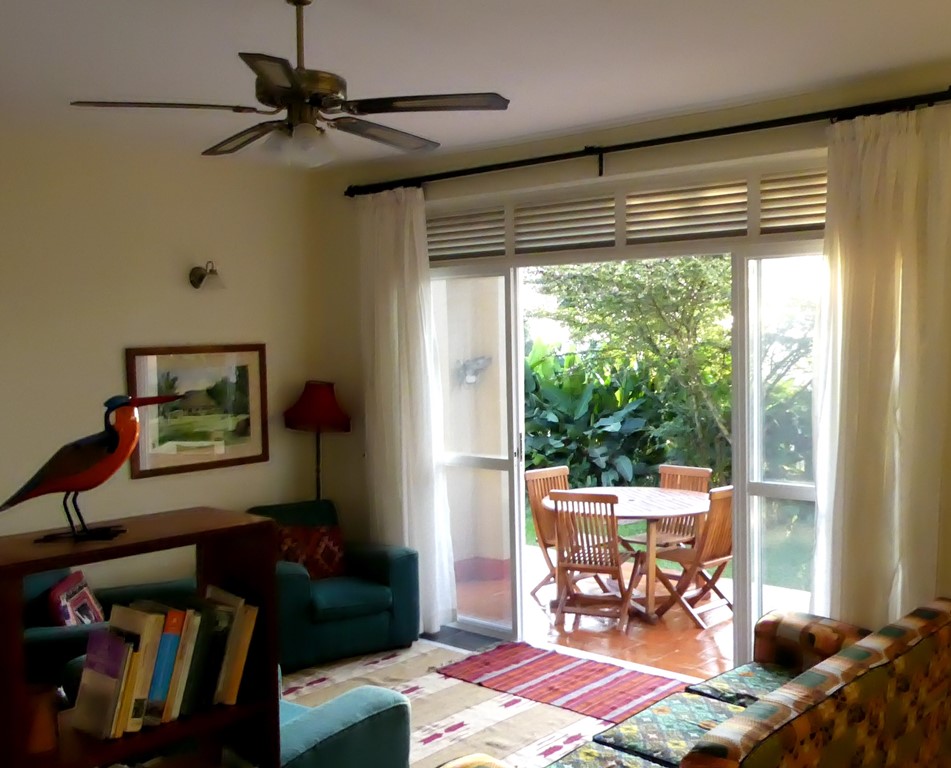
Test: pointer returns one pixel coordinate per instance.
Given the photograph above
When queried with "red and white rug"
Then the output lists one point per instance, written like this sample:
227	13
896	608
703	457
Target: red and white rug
594	688
451	717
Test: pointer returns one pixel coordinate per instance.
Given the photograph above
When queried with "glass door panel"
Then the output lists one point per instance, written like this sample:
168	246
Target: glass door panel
472	327
783	295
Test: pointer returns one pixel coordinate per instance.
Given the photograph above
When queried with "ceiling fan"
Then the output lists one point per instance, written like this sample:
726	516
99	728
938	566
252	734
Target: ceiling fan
316	100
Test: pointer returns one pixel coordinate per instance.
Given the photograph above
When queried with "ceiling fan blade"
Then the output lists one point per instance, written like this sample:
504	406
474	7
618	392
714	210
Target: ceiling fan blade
382	133
447	102
172	105
274	72
243	138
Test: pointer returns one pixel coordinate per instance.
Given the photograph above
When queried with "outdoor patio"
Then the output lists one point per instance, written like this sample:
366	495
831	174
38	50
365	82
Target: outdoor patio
674	643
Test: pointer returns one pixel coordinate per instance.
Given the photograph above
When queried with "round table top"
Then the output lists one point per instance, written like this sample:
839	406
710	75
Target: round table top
642	503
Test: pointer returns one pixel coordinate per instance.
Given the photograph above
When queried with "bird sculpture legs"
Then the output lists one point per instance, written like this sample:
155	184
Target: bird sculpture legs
84	532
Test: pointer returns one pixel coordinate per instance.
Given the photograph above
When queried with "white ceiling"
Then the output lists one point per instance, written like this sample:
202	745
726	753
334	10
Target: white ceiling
566	65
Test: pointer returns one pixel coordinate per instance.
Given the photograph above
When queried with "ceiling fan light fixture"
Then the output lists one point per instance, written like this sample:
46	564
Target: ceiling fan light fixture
303	147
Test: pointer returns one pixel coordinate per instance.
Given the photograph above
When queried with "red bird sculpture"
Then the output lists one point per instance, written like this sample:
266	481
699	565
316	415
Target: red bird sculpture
88	462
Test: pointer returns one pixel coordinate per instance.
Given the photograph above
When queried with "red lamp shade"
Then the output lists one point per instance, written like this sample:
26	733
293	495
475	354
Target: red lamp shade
317	410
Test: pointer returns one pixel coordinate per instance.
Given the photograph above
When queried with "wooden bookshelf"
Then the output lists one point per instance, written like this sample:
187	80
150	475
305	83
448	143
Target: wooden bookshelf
235	551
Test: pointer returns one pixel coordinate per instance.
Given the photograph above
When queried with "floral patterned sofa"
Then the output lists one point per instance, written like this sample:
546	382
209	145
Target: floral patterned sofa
819	693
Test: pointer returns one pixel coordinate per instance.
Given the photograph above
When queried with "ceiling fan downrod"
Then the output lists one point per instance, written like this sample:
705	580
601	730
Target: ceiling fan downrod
299	12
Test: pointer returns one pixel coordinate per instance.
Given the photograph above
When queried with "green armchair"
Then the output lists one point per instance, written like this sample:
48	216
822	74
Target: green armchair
373	607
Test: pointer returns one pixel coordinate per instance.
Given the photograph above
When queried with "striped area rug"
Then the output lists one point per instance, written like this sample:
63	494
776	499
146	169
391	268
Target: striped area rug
452	718
592	688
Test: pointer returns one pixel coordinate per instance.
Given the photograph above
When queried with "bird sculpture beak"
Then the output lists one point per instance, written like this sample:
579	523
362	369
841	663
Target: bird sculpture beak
140	401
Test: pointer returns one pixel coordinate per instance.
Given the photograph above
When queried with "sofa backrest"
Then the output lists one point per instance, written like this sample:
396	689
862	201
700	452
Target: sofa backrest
883	700
309	513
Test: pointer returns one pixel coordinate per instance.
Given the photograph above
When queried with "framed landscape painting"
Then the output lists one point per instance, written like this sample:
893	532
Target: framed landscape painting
220	418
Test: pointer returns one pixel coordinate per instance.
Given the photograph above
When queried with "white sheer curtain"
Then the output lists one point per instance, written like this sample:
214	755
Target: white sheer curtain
408	497
882	418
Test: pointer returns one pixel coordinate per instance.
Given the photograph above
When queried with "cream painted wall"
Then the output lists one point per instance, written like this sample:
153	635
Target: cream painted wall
95	246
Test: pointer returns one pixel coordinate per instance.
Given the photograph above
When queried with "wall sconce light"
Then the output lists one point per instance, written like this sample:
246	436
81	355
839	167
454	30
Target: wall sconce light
197	276
469	371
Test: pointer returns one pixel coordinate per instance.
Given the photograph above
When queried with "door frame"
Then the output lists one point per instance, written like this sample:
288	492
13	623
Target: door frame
746	534
515	410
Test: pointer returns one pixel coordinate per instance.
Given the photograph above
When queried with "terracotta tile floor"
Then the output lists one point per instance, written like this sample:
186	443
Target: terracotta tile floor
674	643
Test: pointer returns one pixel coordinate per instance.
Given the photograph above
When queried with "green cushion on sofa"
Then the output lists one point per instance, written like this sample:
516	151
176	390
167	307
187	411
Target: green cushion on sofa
343	597
666	731
594	755
744	684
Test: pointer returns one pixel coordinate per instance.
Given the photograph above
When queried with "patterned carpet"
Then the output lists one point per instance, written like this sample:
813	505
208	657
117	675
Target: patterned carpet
451	718
594	688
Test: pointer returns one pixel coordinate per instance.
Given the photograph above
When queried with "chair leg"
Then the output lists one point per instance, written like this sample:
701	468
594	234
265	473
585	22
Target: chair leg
562	599
549	579
677	595
709	584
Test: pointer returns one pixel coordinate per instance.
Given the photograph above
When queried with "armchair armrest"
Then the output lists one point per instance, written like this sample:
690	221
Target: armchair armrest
799	641
398	568
47	650
293	591
364	726
160	591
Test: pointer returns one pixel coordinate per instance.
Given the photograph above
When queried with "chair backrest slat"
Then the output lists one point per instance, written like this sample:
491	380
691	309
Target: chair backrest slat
682	479
716	538
587	530
540	482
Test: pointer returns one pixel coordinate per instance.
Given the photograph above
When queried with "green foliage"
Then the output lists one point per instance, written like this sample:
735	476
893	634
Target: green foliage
595	422
666	322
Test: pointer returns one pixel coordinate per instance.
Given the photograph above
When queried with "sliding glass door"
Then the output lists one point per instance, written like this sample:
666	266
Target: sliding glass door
775	509
474	316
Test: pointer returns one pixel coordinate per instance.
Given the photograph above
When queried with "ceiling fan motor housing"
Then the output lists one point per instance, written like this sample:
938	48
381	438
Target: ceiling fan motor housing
317	88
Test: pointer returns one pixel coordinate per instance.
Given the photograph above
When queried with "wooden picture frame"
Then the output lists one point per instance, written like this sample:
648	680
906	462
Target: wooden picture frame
221	418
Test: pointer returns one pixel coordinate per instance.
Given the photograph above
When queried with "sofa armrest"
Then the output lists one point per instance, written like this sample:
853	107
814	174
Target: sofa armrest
398	568
47	650
799	641
364	726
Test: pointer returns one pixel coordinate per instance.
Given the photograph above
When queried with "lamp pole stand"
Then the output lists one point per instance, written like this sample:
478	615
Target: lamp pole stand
317	463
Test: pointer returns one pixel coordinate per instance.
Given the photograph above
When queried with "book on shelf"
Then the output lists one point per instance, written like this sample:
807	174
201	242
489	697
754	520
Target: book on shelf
183	660
148	627
173	622
100	685
236	646
127	693
209	652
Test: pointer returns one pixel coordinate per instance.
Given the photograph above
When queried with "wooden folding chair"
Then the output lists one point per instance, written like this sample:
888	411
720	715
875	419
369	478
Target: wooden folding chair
675	531
713	549
539	483
588	546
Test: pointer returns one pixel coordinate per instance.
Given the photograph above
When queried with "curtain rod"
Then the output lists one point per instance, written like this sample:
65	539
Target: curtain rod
841	113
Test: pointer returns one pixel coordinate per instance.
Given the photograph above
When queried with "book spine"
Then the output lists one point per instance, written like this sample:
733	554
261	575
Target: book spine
199	662
235	671
182	662
164	666
148	650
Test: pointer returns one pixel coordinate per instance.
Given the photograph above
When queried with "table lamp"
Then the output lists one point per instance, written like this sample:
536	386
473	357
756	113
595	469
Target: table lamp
317	410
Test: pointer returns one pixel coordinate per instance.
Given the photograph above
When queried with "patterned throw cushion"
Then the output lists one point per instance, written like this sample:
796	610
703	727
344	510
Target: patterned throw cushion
594	755
318	548
666	731
744	684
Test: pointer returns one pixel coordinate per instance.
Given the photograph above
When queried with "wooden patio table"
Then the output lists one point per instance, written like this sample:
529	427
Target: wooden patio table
649	505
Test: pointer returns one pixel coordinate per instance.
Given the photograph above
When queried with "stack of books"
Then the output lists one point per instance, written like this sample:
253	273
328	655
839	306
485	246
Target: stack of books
155	663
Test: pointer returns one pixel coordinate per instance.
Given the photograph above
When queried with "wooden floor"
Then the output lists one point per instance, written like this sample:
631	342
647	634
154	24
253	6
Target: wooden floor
674	643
